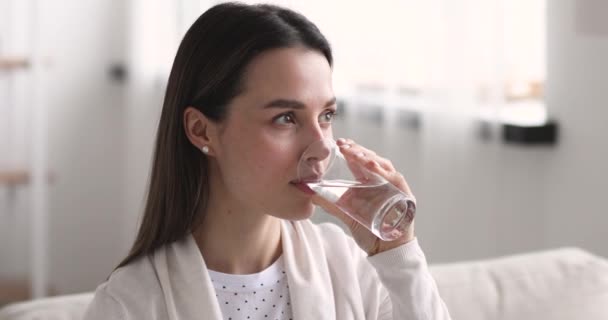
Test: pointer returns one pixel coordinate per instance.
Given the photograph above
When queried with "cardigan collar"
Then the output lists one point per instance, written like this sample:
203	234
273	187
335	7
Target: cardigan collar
188	290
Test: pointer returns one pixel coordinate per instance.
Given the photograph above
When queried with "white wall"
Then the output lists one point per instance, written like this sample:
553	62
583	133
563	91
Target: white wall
13	130
86	126
86	138
576	210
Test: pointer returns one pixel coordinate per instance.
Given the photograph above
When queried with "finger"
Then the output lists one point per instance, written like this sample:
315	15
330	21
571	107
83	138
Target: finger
357	155
375	164
375	167
340	141
386	164
353	156
394	177
352	150
357	168
362	155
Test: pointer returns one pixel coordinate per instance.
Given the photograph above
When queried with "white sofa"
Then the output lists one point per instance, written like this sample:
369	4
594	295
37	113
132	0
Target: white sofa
550	285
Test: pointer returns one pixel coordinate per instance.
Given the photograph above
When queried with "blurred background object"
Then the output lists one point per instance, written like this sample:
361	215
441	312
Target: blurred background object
429	85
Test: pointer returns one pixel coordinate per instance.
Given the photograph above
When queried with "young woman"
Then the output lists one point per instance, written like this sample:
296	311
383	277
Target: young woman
225	232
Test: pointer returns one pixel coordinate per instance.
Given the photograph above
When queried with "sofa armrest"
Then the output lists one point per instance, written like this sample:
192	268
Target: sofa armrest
557	284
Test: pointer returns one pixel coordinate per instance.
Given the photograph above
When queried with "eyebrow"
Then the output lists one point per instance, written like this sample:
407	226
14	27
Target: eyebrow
293	104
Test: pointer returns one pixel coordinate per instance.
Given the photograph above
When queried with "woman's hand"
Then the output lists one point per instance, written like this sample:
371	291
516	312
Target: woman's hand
355	153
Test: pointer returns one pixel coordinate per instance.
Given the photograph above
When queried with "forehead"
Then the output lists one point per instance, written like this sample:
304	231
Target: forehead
288	73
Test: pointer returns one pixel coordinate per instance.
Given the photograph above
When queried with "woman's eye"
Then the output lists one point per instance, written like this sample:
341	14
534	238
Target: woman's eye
328	116
285	118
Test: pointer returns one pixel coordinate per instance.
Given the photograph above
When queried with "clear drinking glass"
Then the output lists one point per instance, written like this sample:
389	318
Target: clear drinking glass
361	194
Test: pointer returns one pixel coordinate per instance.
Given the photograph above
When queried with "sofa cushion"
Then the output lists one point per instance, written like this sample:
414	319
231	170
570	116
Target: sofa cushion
551	285
556	285
66	307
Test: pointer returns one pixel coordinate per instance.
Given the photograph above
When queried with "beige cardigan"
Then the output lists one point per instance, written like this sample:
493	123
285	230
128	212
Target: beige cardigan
329	278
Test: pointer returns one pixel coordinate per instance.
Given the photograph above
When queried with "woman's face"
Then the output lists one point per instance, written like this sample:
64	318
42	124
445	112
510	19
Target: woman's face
287	103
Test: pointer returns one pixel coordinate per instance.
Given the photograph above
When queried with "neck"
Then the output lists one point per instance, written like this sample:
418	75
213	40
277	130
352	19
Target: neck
235	241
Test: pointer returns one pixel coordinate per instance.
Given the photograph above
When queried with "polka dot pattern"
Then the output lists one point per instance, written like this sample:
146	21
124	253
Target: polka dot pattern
264	295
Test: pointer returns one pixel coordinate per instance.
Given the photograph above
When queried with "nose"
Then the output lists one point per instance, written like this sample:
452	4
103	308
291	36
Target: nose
317	132
316	160
318	151
321	143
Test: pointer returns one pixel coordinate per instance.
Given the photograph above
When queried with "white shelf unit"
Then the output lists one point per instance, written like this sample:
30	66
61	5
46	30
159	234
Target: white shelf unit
25	169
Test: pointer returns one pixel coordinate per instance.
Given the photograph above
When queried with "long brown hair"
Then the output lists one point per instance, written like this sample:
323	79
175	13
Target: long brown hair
207	74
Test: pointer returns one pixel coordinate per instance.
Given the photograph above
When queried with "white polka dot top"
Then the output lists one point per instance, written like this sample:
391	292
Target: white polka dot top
258	296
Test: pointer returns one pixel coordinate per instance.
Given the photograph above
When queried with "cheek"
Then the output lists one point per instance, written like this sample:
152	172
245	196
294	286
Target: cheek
262	162
272	159
255	155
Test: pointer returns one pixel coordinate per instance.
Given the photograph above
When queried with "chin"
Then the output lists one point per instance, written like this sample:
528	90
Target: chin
299	213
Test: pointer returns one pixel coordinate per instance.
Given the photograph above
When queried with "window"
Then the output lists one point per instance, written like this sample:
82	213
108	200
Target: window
476	57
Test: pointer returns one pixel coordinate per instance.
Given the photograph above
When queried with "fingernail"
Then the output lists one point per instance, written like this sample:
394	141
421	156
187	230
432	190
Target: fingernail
341	140
345	146
360	155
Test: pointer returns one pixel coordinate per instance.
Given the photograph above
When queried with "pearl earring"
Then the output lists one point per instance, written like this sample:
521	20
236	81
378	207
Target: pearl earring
205	149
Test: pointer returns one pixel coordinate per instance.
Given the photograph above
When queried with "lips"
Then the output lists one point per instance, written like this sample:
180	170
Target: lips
303	186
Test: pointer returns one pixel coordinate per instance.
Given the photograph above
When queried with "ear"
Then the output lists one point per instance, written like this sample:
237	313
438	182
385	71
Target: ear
200	130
